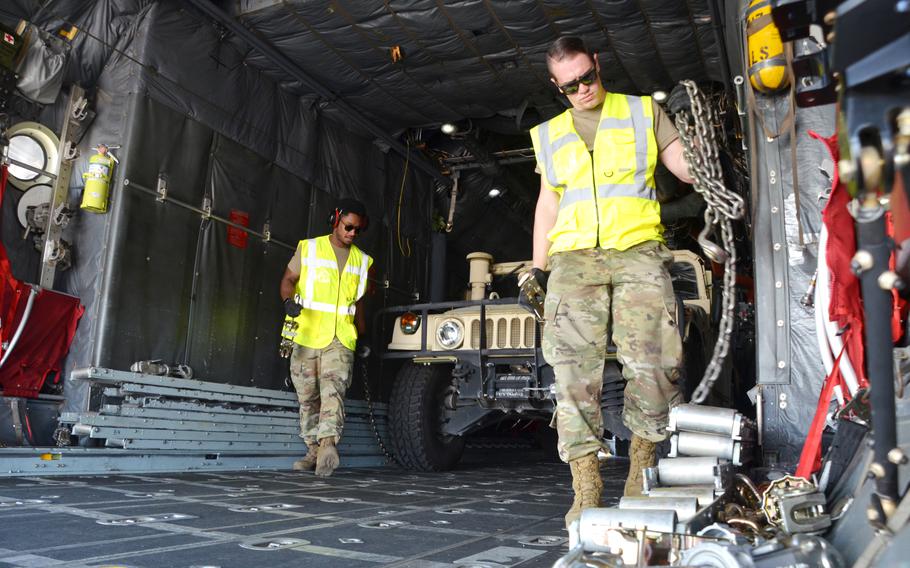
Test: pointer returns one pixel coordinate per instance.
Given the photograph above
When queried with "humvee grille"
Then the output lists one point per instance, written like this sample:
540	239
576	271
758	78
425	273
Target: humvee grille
504	333
530	331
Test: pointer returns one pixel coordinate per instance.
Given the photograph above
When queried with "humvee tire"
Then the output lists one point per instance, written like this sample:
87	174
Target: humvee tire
415	415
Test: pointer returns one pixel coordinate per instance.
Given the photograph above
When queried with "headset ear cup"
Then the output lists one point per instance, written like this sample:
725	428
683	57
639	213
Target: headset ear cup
335	219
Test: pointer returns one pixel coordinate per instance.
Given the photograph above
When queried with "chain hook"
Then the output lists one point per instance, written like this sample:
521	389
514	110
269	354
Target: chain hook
712	250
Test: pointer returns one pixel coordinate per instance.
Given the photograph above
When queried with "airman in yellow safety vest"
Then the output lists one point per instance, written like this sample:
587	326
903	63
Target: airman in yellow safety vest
597	228
322	290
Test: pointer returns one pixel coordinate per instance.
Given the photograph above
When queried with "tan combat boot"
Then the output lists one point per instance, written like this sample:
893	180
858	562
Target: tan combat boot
328	459
308	463
587	484
642	454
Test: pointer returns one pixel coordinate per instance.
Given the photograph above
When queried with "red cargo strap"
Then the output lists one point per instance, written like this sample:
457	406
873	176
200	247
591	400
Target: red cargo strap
811	457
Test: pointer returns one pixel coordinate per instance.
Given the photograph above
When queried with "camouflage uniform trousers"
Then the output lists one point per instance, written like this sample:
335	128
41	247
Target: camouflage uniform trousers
585	289
321	377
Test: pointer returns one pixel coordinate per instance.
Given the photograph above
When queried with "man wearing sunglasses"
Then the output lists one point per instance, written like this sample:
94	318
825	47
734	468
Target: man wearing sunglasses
322	290
597	226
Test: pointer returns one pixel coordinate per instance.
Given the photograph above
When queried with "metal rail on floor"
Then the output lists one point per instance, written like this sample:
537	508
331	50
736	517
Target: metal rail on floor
149	423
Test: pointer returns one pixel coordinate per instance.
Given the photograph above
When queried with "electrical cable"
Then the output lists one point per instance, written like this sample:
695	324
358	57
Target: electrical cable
28	427
404	177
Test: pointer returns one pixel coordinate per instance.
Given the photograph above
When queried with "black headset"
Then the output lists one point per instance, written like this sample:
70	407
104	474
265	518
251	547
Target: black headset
339	212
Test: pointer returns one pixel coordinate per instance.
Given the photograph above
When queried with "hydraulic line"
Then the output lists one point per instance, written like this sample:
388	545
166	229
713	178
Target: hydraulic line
821	306
831	330
25	315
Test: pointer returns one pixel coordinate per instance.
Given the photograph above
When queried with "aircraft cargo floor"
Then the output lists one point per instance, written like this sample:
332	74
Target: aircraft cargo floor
500	508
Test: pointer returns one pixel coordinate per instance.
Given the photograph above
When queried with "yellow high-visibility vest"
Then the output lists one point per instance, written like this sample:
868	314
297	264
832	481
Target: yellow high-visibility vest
609	193
328	297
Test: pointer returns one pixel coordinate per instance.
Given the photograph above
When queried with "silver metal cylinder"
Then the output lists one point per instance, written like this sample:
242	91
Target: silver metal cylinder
706	419
685	507
592	528
716	554
579	558
698	444
687	471
81	429
703	494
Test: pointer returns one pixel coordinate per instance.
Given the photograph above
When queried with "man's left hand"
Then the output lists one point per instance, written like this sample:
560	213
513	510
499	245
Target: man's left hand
679	100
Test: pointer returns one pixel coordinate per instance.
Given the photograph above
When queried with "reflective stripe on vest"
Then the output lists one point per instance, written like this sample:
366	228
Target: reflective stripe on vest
614	192
546	151
364	272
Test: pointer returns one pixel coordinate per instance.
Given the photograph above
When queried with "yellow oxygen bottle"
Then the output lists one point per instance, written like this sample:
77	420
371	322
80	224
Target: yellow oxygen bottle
767	62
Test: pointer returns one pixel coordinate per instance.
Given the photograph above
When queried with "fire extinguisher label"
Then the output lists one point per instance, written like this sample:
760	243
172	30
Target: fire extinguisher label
99	170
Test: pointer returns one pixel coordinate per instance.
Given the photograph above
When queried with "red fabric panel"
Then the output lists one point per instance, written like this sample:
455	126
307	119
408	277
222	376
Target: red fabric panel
846	307
44	342
12	292
13	297
47	335
900	209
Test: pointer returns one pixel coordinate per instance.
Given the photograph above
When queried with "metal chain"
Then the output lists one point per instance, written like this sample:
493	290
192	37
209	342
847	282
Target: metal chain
696	132
62	436
369	400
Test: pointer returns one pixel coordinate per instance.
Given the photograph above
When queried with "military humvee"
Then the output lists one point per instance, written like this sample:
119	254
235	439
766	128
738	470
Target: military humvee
461	376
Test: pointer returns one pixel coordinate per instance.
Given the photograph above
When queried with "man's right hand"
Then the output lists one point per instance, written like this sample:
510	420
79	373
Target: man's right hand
292	308
533	285
538	275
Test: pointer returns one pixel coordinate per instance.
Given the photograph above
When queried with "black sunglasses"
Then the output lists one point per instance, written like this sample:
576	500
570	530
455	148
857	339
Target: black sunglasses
587	79
357	230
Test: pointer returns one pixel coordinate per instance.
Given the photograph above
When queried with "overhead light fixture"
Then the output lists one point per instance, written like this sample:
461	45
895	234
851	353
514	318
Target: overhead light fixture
449	128
659	96
494	192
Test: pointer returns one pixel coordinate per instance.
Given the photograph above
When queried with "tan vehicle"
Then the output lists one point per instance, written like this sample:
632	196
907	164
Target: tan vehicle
461	376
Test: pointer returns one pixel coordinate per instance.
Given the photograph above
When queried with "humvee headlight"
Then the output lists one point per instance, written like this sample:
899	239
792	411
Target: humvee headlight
410	323
450	334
